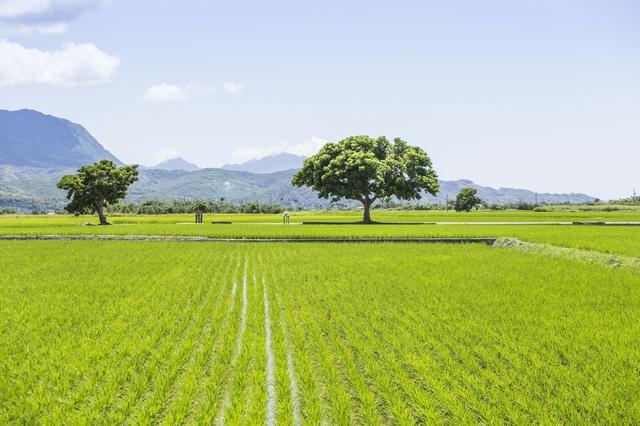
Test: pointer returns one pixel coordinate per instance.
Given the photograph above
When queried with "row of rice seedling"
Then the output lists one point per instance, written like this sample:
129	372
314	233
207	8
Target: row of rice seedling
199	352
148	332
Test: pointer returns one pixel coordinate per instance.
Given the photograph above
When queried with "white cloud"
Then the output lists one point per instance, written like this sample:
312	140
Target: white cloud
15	8
26	29
231	88
165	92
41	16
75	64
306	148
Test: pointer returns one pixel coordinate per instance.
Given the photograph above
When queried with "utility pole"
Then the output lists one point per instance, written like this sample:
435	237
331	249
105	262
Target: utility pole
536	199
446	202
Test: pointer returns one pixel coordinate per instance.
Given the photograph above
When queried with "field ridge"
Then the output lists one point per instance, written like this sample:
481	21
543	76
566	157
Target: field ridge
609	260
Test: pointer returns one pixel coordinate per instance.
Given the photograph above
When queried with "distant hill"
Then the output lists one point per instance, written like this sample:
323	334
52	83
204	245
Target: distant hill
31	139
25	188
505	195
269	164
20	186
231	185
177	163
276	187
37	149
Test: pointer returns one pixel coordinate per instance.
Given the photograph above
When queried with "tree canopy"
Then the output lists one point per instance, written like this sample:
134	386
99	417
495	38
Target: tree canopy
467	200
366	169
95	186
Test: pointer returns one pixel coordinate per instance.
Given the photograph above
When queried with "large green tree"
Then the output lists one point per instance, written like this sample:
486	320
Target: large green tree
95	186
366	169
467	200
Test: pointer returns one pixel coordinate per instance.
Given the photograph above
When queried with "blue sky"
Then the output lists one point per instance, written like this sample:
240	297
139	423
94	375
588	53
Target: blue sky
543	95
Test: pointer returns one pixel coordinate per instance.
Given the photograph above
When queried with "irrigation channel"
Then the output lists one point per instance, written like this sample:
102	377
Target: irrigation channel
488	241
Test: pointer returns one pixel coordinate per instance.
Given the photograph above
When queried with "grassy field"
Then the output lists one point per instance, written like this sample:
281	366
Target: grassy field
618	239
105	332
629	215
139	332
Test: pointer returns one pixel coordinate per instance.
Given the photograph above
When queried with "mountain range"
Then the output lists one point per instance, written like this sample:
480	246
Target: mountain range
37	149
177	163
31	139
269	164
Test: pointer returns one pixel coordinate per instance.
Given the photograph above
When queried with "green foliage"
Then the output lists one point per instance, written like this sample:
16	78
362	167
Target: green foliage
95	186
205	206
523	205
397	207
176	334
8	210
467	200
498	207
630	201
200	206
365	169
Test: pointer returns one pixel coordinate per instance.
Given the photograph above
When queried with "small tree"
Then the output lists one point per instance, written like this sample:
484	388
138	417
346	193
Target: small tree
467	200
365	169
95	186
200	206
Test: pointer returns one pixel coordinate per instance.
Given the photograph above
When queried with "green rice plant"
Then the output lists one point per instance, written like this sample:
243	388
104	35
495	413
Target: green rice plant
161	332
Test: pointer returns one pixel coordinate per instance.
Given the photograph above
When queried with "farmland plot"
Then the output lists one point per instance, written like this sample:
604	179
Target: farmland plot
624	240
151	332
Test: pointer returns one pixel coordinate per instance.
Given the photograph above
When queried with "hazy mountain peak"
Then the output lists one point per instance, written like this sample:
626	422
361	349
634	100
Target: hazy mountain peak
269	164
33	139
177	163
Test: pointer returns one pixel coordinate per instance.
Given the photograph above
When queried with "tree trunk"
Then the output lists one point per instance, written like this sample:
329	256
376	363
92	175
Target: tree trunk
367	210
100	210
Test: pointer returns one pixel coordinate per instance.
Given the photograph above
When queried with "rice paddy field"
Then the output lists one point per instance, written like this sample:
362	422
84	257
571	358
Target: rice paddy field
157	332
623	240
626	214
